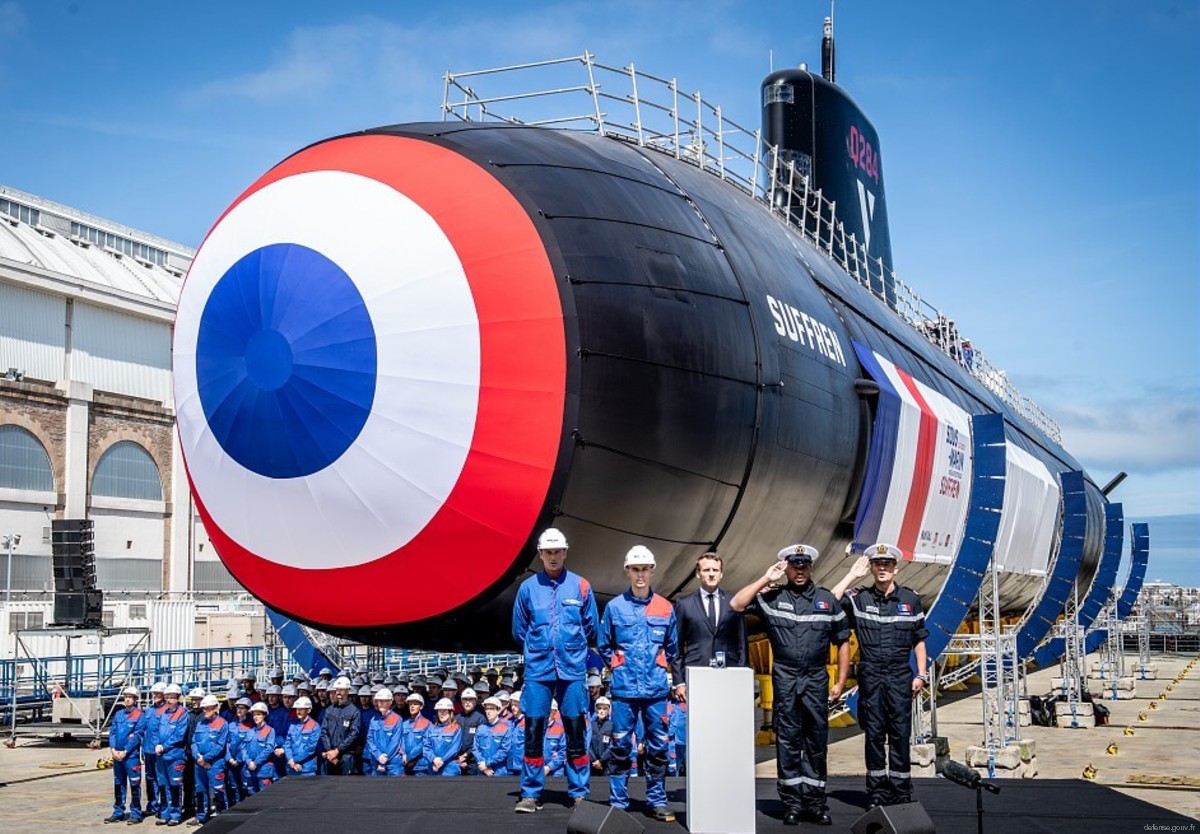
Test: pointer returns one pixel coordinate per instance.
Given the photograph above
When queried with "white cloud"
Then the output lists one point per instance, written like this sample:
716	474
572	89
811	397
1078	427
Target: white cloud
1149	435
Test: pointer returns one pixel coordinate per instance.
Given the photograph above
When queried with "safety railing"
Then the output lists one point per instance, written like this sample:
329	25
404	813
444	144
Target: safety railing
652	112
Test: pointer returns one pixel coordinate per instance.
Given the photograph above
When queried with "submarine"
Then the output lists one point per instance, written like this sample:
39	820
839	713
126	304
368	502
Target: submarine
402	353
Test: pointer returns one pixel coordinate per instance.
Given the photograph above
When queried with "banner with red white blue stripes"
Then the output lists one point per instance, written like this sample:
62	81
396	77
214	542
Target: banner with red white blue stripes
918	474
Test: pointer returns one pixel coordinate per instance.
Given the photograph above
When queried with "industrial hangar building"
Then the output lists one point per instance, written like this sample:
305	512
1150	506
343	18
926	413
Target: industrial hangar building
87	412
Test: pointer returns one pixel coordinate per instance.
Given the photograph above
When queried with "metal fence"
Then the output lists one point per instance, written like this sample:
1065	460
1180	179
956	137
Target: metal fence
652	112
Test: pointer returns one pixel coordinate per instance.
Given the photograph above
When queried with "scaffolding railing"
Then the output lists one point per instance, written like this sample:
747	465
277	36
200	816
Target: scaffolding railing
634	106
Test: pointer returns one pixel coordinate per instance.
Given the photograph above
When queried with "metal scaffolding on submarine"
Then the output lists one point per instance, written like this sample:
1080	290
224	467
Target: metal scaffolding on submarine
402	353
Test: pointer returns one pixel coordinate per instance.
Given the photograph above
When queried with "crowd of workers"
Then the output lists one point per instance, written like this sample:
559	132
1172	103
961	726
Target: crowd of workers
553	716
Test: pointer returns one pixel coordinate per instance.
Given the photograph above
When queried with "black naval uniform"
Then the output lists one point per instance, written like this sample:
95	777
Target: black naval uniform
802	623
888	627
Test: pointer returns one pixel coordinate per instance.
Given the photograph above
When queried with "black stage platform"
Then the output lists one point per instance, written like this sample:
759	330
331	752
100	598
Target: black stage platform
362	805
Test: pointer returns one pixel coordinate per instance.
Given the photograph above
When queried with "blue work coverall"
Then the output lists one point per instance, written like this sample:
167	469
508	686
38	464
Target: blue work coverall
554	621
125	735
258	749
210	747
444	741
385	737
492	747
303	741
638	641
235	761
413	745
173	726
156	801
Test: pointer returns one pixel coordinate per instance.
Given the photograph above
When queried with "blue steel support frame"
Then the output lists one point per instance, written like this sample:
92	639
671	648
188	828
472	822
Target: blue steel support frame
1139	557
979	538
1062	577
1102	584
307	656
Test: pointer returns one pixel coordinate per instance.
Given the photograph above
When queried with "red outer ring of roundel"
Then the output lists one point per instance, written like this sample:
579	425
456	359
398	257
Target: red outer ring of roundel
488	516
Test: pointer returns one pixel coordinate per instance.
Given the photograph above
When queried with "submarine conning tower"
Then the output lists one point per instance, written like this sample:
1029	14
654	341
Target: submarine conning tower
821	134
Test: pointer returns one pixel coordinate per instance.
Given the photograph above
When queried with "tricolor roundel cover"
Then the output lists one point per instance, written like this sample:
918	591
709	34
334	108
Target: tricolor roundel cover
369	377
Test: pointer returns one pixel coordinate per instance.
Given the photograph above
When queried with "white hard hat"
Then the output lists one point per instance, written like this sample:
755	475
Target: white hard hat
416	698
444	703
515	695
384	694
552	539
208	701
493	702
341	683
603	700
173	689
639	554
302	702
130	690
884	551
196	692
159	687
259	706
468	693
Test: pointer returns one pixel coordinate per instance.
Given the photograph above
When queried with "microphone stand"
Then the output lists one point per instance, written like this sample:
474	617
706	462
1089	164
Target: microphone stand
979	786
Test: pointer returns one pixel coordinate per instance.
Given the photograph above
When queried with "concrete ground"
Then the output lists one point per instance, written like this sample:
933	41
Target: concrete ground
1164	748
48	785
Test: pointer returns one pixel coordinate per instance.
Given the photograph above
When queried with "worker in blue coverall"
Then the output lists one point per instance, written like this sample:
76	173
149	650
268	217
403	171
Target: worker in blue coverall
277	717
258	750
383	754
516	720
125	743
235	761
210	748
443	742
554	621
303	740
493	741
416	727
171	750
154	711
554	747
638	641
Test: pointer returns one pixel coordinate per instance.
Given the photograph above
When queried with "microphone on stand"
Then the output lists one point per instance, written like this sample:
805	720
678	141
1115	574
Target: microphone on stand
967	777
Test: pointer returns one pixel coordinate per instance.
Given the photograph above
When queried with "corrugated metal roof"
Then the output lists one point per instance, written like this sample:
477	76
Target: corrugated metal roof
50	237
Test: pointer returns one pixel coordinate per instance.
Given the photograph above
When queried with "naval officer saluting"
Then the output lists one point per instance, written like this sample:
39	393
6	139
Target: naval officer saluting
802	622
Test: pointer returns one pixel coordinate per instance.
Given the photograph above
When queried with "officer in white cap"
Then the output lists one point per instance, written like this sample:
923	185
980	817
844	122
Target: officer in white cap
890	625
802	621
554	621
639	642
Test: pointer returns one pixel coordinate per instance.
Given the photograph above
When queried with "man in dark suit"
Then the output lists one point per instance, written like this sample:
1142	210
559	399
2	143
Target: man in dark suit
708	627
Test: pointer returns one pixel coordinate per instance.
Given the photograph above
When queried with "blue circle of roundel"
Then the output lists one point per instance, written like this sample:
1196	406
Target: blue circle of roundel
286	361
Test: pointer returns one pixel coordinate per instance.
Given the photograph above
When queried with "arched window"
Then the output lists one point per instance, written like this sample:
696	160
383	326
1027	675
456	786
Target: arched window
24	463
126	470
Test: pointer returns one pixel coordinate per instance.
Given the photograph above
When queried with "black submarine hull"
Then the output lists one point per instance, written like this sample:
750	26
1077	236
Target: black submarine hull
690	419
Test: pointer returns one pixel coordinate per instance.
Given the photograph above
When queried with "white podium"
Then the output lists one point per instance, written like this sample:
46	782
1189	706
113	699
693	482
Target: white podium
720	750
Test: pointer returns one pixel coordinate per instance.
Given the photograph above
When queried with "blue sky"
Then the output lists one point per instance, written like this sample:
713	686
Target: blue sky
1040	158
